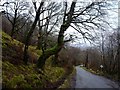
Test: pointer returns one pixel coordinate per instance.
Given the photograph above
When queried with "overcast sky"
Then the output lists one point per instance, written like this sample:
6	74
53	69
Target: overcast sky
112	16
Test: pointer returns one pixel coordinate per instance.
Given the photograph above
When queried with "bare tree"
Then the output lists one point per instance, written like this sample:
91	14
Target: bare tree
73	16
15	13
103	62
27	40
46	24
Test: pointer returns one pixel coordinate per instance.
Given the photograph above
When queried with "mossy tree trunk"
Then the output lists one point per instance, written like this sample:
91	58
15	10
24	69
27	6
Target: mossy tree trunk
66	23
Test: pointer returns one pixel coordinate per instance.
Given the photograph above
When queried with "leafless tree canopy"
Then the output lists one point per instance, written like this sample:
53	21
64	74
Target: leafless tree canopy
47	24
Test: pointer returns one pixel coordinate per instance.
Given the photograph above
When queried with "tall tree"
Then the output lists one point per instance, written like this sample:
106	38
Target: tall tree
47	21
60	43
27	40
15	12
74	17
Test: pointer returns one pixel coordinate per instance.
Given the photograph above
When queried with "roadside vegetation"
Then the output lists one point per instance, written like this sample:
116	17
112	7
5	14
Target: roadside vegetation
17	75
102	73
43	41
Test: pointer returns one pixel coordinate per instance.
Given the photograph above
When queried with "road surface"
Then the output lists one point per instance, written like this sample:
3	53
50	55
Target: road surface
86	79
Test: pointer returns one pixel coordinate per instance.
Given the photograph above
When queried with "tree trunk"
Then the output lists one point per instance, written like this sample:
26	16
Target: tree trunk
66	23
25	58
86	62
13	24
52	51
27	39
47	53
12	31
39	45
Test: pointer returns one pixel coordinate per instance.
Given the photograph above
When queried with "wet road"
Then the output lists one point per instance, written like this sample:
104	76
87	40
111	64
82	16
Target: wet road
86	79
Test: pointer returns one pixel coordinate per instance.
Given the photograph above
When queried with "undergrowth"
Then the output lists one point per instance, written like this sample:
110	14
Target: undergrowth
17	75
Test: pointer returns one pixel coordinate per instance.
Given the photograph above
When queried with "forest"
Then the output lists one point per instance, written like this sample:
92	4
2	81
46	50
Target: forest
50	44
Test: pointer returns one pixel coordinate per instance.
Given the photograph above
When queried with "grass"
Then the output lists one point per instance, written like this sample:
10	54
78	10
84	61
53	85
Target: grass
25	76
69	80
0	72
17	75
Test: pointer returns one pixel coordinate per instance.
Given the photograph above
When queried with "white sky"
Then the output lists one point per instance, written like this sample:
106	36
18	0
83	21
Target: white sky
112	17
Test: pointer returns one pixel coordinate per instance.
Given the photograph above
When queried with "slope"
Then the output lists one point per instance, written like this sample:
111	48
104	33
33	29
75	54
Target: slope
17	75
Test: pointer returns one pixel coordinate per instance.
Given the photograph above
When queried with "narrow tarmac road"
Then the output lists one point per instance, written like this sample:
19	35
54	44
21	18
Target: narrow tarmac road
86	79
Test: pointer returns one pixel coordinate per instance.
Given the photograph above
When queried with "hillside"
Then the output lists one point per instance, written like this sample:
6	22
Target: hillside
17	75
44	42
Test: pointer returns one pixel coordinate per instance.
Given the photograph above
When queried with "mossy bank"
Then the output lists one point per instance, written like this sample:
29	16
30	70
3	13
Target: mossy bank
17	75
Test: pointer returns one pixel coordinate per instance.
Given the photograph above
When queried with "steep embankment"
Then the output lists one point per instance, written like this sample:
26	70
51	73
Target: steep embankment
17	75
